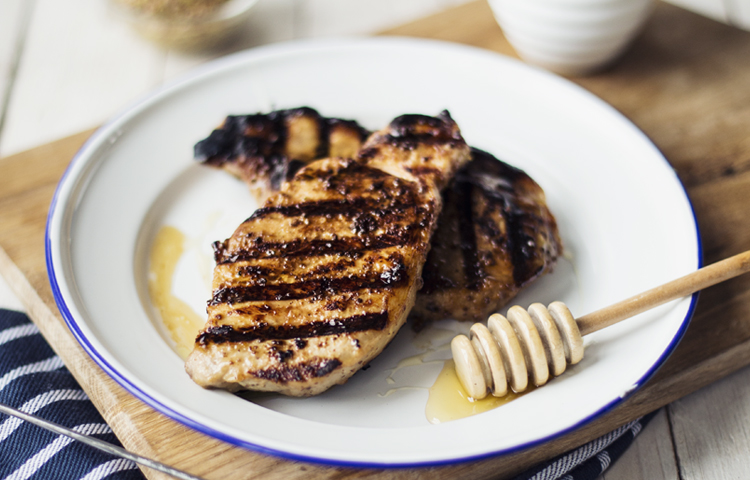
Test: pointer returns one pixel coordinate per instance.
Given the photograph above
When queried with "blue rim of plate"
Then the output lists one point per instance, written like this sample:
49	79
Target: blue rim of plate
187	421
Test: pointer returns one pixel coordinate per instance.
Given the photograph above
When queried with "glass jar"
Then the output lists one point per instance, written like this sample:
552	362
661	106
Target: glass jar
189	25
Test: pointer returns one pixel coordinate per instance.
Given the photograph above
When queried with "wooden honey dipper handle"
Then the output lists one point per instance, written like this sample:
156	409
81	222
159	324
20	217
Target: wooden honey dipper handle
682	287
538	343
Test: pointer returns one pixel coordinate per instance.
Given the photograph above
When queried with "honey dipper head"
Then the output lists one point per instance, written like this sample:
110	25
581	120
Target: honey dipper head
468	368
538	343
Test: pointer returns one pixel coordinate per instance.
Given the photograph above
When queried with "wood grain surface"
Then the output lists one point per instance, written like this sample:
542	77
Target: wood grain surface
684	83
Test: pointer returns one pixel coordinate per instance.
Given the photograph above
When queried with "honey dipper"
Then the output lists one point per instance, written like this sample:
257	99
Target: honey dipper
540	342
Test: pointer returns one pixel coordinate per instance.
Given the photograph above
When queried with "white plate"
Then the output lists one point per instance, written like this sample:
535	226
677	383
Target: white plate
622	213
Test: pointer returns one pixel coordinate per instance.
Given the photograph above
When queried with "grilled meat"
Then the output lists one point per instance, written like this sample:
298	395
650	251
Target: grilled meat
265	150
495	235
316	283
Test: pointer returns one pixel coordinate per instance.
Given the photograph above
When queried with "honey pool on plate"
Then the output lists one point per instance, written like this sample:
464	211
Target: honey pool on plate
447	399
180	320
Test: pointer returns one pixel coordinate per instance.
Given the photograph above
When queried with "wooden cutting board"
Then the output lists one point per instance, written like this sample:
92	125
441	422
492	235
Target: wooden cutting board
684	83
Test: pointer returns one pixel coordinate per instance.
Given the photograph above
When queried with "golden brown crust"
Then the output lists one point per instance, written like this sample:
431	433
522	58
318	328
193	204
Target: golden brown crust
317	282
495	234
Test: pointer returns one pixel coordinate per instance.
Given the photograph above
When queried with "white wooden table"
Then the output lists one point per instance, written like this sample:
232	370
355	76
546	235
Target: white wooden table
66	66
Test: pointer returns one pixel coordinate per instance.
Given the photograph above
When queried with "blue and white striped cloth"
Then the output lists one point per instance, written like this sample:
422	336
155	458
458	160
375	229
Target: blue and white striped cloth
33	379
591	460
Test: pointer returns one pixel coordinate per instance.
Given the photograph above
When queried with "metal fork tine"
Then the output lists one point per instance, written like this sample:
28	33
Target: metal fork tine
96	443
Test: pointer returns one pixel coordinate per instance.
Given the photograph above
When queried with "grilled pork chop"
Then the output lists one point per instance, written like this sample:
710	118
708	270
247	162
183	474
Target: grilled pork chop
317	282
264	150
495	234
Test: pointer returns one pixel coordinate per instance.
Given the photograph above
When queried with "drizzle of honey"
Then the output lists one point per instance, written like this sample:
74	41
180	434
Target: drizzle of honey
180	320
449	401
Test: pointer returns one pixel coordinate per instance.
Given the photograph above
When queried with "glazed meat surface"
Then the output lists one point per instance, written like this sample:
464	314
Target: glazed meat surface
265	150
495	234
317	282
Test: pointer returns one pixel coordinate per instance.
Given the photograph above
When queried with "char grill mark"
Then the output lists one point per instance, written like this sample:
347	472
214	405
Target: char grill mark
468	238
262	272
498	184
356	176
434	282
294	312
521	245
349	246
266	135
285	373
334	326
289	171
315	289
379	210
324	137
347	207
245	136
409	131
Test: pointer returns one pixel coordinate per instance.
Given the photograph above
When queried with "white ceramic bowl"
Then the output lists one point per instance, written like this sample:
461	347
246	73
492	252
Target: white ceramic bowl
570	36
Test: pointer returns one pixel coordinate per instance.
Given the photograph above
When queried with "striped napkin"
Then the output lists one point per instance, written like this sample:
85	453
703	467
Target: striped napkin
591	460
34	380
